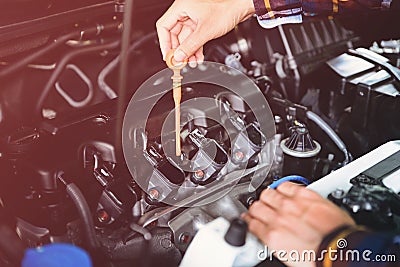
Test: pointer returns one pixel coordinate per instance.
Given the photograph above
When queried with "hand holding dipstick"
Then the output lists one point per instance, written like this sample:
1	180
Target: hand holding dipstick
177	94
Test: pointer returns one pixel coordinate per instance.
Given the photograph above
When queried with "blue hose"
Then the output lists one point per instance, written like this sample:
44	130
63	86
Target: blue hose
290	178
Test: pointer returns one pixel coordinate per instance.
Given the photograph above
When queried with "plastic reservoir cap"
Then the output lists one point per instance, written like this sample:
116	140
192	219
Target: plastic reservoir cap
60	255
236	234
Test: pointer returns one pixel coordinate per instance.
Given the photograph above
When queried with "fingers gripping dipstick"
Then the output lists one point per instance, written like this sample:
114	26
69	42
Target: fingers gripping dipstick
177	94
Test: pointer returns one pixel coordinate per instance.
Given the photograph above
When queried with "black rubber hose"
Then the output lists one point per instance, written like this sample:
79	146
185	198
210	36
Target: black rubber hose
63	62
25	61
58	42
60	67
84	213
123	67
125	41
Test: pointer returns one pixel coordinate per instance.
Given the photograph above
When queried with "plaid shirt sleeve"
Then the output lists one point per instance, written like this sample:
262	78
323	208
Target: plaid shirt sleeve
283	11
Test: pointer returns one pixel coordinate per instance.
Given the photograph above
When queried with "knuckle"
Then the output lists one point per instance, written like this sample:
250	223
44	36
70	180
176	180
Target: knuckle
253	226
288	187
255	205
280	220
158	23
272	236
191	45
286	203
309	193
277	198
264	194
254	208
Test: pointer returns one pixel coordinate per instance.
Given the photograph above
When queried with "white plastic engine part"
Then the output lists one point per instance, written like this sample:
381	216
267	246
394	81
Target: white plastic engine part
209	248
340	179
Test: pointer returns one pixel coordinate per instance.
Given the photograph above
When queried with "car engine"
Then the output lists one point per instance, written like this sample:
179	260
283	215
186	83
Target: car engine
86	124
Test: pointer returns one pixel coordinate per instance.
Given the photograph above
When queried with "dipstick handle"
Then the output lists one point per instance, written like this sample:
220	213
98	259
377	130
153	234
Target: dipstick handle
177	95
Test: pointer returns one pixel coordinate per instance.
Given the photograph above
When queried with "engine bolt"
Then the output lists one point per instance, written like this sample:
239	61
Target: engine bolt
199	174
250	201
238	156
154	194
103	216
338	193
166	243
184	238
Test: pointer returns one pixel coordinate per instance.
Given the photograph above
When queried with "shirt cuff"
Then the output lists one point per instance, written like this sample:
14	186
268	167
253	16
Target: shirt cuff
271	23
273	13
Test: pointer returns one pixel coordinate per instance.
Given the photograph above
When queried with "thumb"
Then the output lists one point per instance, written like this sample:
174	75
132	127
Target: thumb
190	45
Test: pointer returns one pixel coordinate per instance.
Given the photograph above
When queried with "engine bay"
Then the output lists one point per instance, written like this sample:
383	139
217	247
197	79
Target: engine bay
86	124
